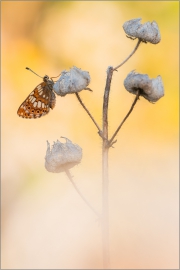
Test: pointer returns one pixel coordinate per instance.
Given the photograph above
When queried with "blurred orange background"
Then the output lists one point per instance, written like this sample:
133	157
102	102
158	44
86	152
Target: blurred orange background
45	224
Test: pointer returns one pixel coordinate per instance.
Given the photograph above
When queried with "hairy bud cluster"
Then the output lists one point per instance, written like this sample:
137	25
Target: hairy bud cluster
148	32
72	81
62	156
150	89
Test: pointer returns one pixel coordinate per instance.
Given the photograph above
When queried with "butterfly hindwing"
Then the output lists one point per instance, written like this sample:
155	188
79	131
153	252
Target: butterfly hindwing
39	101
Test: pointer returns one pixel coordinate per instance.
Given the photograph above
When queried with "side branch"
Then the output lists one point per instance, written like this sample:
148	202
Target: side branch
80	194
110	143
82	104
137	45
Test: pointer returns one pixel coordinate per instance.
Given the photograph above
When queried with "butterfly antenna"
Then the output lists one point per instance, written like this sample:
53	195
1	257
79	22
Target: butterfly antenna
56	76
33	72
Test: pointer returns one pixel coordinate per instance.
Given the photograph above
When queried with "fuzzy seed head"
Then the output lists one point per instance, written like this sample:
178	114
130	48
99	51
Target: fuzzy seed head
148	32
62	156
150	89
72	81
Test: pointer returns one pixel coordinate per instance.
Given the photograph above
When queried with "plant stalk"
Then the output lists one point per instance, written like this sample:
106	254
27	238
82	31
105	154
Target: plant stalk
88	112
80	194
136	47
127	115
105	179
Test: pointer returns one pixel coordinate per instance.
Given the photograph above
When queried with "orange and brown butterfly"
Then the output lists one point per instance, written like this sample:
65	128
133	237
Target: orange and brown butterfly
40	100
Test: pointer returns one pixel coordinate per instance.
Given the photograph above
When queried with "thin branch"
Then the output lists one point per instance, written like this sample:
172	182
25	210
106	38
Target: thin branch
137	45
110	143
92	118
80	194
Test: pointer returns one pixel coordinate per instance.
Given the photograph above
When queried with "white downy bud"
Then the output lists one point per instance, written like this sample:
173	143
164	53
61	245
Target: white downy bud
150	89
148	32
62	156
72	81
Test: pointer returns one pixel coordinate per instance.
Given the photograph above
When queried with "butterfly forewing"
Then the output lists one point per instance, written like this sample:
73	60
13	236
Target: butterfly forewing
39	102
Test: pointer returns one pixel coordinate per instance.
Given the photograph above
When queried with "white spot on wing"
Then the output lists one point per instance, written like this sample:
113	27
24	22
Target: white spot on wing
32	99
39	104
35	104
42	105
39	87
40	92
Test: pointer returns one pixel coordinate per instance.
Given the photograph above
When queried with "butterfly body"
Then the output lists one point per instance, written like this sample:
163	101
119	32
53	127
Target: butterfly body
40	100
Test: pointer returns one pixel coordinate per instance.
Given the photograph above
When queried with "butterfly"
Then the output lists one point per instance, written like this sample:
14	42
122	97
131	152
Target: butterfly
40	100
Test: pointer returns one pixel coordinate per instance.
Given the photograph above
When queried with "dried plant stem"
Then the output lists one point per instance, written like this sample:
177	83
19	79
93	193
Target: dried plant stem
137	45
80	194
92	118
105	150
105	180
110	142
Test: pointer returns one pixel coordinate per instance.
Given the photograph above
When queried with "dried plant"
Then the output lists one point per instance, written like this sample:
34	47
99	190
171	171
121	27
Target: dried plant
63	157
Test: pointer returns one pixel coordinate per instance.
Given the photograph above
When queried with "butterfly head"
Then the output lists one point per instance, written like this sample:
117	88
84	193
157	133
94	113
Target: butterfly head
45	78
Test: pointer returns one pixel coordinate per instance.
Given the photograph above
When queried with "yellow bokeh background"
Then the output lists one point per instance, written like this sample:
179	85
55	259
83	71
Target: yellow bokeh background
45	224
